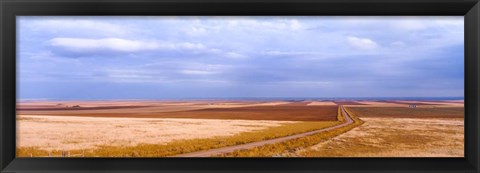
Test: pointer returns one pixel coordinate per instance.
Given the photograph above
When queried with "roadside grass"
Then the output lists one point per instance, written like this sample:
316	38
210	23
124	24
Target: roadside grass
293	145
340	117
185	146
400	144
398	137
394	137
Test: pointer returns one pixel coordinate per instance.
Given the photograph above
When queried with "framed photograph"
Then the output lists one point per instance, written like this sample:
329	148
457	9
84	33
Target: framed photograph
239	86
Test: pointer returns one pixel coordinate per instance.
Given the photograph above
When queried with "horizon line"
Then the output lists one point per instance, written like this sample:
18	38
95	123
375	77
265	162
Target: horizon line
251	98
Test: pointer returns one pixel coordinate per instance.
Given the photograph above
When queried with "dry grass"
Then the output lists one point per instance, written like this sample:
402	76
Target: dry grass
179	146
395	137
288	148
63	132
89	132
419	131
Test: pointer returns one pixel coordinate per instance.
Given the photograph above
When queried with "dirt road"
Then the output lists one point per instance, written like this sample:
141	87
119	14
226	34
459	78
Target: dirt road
208	153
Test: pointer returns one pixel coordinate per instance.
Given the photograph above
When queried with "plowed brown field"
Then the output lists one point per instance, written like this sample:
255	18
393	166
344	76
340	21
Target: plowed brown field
293	111
404	112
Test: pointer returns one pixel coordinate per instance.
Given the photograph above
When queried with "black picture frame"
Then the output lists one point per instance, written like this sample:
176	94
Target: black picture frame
9	9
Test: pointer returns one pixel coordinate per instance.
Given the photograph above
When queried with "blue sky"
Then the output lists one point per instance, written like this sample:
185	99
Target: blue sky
209	57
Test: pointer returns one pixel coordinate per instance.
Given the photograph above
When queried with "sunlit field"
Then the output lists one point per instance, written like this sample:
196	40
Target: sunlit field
160	129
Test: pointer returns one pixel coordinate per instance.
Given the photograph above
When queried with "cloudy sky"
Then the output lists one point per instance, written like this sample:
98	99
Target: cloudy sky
218	57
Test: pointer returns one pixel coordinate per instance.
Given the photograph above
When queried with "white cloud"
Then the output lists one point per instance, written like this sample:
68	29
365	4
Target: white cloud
296	25
234	55
362	43
321	55
196	30
264	25
82	45
398	44
185	45
410	25
449	22
301	83
197	72
273	25
241	24
126	75
120	45
111	44
88	26
203	68
164	73
286	53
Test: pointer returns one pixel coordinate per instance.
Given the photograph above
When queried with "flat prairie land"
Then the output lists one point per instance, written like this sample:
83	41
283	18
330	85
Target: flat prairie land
166	128
348	103
406	103
395	137
321	103
169	128
379	104
38	136
279	112
302	103
288	111
405	112
67	132
397	132
128	107
411	102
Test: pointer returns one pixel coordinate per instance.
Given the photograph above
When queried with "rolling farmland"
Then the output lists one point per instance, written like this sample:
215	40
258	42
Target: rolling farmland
233	128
